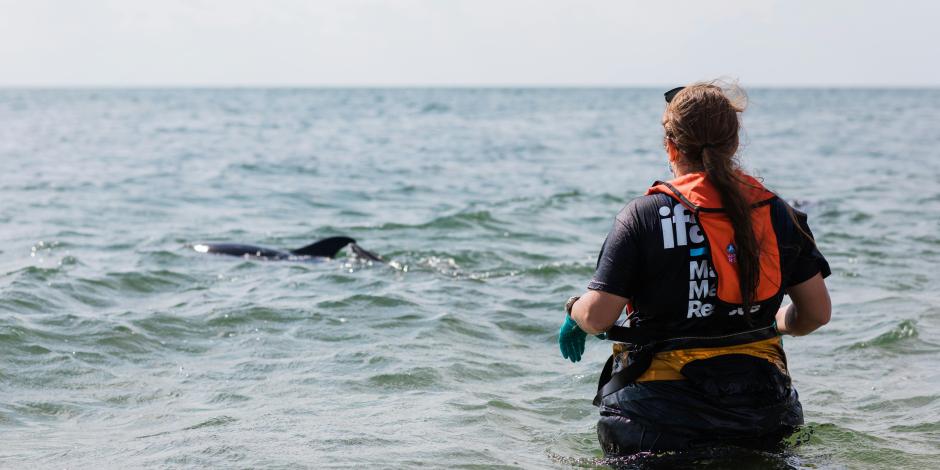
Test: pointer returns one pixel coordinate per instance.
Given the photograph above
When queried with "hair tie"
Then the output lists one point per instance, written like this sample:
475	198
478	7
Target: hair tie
701	151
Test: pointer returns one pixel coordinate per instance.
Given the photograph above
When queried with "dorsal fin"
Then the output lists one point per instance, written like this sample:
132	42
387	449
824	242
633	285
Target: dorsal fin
326	248
364	253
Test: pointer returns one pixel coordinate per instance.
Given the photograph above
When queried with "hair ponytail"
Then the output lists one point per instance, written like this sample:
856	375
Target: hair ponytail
702	121
721	172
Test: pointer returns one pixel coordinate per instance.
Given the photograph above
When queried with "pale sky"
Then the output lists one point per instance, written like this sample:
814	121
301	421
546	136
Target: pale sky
465	43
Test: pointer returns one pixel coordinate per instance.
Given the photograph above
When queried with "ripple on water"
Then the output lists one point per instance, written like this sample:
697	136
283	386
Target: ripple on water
140	282
892	340
228	398
412	379
172	331
47	410
857	449
398	321
28	302
163	257
36	274
910	404
365	301
553	271
124	341
87	294
476	371
454	222
526	327
334	278
714	458
212	422
448	325
242	315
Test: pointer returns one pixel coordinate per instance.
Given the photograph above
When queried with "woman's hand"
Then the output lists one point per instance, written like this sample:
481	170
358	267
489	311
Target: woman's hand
594	313
571	340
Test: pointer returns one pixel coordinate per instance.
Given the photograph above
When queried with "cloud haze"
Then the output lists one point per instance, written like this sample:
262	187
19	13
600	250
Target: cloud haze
479	42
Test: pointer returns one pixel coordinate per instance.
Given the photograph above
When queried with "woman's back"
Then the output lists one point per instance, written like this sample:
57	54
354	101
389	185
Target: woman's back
739	390
670	280
702	264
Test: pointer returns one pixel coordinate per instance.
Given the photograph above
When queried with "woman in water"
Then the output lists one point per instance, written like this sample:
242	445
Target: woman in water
702	264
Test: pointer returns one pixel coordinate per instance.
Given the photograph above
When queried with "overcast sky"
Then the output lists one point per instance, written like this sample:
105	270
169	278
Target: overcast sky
473	42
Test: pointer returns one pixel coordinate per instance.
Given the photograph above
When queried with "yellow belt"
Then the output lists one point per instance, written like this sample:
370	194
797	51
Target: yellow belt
667	364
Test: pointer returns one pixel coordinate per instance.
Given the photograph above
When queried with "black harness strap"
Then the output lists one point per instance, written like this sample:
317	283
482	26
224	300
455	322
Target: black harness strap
639	360
678	194
640	357
695	208
623	334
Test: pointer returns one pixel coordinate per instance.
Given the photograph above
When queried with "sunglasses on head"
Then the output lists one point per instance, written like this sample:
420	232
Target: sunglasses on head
672	93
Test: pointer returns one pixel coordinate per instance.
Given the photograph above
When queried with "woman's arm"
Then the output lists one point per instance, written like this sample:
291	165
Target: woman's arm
811	308
596	311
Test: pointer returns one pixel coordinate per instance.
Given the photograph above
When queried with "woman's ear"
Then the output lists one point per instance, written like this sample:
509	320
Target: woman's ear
672	150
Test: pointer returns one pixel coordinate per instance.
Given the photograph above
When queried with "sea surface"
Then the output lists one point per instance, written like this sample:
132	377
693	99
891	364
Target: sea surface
122	347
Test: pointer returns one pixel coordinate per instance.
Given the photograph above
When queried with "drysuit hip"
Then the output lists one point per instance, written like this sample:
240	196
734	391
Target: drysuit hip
621	436
675	359
736	394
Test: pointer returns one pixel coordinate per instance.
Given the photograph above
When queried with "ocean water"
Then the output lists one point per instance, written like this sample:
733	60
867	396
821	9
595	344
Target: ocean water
122	347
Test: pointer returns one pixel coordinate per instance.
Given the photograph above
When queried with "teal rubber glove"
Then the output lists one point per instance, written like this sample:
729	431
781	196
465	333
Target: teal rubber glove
571	340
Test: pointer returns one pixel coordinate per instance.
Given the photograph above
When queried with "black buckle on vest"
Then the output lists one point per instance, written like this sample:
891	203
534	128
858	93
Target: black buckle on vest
623	334
639	357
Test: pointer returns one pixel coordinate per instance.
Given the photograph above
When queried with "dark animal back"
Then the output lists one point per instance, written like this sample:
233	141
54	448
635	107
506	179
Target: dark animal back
237	249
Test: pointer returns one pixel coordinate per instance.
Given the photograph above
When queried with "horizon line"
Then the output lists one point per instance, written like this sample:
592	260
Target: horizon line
375	86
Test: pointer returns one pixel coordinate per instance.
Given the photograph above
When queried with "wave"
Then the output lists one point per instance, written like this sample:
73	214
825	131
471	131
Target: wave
900	333
411	379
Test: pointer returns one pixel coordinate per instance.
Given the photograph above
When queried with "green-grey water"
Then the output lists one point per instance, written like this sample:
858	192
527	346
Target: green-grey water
122	347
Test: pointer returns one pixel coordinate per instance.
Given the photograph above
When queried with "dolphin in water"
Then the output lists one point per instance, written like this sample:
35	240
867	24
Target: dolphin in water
322	249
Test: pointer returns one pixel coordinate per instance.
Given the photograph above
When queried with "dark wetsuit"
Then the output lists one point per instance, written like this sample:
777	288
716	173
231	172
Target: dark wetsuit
736	399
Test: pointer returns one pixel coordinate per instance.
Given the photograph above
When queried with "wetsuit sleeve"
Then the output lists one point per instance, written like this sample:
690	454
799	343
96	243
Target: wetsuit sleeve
809	261
618	262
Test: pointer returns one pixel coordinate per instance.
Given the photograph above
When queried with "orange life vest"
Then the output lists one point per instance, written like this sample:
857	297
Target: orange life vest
644	360
699	196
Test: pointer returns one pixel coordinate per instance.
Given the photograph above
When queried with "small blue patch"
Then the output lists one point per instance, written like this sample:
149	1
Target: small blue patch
697	251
